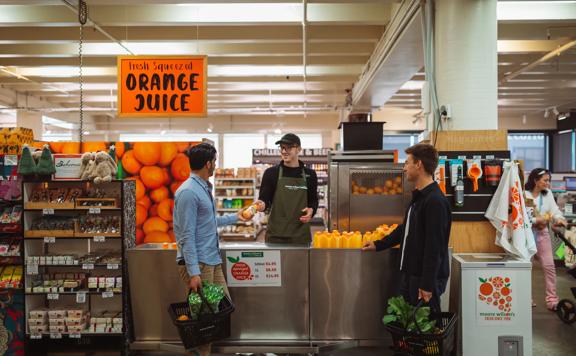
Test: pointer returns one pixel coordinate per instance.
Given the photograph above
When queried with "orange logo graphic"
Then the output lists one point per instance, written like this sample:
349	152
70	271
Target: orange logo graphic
496	291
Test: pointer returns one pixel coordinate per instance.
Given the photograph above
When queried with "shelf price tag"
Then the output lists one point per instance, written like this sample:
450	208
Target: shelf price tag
48	211
32	270
36	336
94	211
55	335
81	297
477	157
53	296
462	158
99	238
88	266
107	294
50	240
112	266
75	336
490	157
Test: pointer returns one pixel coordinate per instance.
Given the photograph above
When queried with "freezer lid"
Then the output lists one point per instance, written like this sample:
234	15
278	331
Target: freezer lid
489	260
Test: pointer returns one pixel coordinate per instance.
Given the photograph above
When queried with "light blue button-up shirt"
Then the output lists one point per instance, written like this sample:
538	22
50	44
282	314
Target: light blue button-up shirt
195	223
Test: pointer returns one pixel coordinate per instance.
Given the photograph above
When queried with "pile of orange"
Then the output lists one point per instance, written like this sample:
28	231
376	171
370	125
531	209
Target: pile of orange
158	168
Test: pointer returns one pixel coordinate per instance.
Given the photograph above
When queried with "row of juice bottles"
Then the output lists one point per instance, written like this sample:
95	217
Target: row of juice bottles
335	239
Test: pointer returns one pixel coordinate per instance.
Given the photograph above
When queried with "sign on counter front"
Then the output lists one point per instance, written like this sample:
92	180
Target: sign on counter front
253	268
162	86
496	302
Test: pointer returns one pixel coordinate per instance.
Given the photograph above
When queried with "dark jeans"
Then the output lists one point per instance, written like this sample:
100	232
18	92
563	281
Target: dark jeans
409	290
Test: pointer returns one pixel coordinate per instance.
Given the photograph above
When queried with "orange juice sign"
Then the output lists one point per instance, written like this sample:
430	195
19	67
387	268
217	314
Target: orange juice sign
161	86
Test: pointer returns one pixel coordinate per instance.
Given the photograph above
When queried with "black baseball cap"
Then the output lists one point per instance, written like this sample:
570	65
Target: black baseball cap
289	139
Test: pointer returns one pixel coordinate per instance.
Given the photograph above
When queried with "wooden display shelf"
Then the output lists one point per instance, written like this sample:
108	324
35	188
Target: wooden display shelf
80	234
234	187
237	197
42	205
114	204
48	233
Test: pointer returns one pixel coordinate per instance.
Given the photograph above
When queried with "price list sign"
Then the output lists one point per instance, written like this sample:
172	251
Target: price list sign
254	268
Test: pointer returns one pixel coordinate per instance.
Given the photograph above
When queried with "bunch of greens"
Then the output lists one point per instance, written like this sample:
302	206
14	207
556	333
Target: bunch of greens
408	316
213	295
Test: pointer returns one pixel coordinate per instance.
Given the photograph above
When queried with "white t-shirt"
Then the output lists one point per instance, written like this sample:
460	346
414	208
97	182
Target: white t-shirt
545	205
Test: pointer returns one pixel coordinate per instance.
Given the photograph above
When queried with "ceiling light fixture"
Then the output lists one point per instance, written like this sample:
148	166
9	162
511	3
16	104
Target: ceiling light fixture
278	131
563	116
546	113
163	132
555	111
524	119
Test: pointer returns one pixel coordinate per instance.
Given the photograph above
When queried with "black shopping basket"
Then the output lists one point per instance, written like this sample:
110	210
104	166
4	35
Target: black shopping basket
433	344
209	327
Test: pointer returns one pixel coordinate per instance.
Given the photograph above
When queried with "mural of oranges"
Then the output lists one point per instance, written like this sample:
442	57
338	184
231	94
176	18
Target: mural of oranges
158	168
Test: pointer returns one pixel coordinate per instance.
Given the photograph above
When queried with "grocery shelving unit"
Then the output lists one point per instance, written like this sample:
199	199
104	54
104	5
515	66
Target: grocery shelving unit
233	194
11	247
83	258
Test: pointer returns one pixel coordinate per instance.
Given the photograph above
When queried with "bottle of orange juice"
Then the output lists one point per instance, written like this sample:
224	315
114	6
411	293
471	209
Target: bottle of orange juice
367	238
337	241
316	243
346	241
357	240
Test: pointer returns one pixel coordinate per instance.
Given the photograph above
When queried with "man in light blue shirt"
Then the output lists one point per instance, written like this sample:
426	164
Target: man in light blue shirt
196	222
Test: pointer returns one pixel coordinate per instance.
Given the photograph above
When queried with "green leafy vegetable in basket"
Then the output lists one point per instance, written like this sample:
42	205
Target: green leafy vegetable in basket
213	294
195	303
400	312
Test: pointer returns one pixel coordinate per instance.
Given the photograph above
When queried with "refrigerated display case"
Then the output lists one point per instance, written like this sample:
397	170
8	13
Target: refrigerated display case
367	189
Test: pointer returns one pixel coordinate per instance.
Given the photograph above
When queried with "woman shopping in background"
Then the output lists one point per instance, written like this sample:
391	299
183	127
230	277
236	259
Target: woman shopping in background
545	212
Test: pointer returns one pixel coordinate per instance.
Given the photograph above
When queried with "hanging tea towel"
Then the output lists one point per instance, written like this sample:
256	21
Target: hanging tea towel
507	213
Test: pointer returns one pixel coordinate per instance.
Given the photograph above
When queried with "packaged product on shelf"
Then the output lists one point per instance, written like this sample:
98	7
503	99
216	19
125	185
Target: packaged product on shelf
57	314
93	225
37	322
38	329
39	314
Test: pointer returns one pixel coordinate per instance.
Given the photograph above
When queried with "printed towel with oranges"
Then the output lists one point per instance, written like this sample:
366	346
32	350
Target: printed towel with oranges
507	212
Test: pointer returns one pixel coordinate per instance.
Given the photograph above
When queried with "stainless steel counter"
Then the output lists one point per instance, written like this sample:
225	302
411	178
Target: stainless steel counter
326	294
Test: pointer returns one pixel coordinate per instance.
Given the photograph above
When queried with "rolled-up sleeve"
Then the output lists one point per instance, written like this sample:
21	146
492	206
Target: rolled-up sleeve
227	219
186	215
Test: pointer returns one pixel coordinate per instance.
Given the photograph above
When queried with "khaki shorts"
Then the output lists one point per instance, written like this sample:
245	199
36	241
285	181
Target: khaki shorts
210	274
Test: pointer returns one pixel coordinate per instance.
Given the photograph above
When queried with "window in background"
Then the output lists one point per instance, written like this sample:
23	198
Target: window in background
307	140
563	152
57	130
399	142
238	149
7	117
532	148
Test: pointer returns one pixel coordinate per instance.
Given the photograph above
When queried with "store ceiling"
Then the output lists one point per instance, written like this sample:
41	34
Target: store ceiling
256	52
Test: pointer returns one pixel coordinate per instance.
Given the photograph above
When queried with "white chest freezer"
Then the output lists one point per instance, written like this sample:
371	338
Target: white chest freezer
492	295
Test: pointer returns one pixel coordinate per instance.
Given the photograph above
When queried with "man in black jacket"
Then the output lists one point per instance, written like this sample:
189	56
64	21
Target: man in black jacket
423	237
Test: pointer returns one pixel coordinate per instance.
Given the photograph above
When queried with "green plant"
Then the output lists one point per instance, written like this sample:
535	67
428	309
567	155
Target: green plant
406	315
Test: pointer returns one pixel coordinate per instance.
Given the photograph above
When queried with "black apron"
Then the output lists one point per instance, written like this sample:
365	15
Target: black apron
284	225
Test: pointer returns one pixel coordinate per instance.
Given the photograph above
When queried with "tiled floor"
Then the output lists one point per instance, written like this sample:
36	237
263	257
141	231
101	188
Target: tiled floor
551	336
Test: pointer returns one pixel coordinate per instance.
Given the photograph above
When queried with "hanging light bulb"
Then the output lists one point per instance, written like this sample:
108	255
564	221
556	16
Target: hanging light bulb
555	111
546	113
524	119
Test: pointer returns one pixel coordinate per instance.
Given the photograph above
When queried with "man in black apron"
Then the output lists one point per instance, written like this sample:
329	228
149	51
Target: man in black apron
289	191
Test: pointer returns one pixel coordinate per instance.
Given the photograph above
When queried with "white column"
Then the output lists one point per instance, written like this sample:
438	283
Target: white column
31	120
466	62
